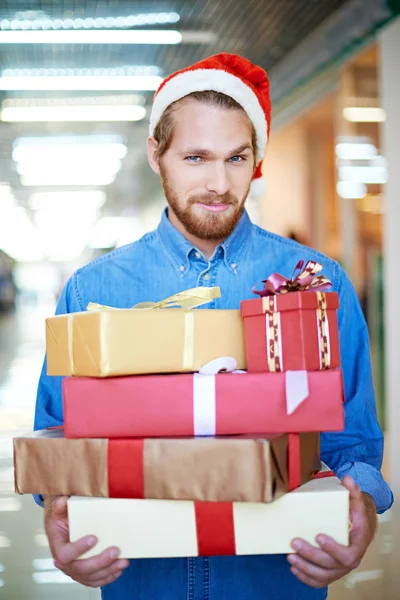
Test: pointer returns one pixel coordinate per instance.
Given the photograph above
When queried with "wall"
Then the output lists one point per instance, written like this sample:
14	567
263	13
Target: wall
285	168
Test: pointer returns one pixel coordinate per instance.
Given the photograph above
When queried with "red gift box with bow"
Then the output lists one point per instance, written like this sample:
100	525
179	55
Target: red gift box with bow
293	325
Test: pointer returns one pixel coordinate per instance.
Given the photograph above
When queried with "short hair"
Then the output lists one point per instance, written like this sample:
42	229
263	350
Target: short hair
165	126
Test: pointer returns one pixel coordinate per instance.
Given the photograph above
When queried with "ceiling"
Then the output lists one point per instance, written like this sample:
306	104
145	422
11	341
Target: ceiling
264	31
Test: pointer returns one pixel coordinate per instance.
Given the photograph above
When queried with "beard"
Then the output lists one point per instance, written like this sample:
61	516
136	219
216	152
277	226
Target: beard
197	221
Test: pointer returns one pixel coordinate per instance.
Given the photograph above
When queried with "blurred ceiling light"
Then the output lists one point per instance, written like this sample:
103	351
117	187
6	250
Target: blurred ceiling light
51	577
19	237
64	230
47	114
114	231
85	180
74	167
2	582
92	147
40	539
102	100
123	70
350	190
43	564
92	36
364	114
7	198
2	568
61	200
44	22
10	504
370	174
5	542
81	83
355	151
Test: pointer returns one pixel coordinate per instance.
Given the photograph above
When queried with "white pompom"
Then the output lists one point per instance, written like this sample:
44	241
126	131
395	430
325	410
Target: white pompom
258	187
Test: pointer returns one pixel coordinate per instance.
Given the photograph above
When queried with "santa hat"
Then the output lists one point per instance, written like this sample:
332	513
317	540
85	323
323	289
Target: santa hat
234	76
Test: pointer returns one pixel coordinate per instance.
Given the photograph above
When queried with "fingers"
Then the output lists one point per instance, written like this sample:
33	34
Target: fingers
314	555
89	566
102	582
314	571
348	556
306	579
66	552
59	507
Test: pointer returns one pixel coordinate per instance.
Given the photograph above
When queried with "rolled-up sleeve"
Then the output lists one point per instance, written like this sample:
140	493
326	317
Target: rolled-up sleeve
358	450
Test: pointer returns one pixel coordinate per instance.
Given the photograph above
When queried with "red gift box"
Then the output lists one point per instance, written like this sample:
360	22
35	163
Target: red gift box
184	405
292	332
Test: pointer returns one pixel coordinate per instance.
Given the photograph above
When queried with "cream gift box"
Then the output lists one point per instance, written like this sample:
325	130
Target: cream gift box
171	528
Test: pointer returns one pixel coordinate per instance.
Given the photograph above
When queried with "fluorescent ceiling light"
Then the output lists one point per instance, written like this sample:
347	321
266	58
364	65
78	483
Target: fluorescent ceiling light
10	504
69	140
44	22
355	151
349	190
84	180
356	174
47	114
41	540
5	542
64	200
27	245
43	564
64	148
81	83
109	71
99	100
74	168
51	577
114	231
364	114
92	36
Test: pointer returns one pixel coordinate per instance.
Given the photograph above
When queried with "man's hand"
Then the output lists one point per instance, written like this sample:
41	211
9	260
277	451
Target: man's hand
95	571
318	567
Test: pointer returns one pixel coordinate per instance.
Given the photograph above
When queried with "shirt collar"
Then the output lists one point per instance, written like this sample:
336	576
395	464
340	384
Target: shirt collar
178	248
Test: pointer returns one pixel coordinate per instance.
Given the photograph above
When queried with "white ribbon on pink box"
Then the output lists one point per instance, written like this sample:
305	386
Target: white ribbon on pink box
204	392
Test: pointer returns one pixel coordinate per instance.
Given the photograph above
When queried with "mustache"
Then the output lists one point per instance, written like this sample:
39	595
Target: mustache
211	199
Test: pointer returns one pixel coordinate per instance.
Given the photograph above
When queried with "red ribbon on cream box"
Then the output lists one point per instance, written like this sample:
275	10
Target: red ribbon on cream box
293	325
158	528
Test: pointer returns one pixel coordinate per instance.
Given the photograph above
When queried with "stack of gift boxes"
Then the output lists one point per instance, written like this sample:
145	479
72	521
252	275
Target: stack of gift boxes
169	448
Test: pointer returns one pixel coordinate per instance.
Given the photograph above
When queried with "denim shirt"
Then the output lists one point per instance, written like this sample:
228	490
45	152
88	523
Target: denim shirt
162	263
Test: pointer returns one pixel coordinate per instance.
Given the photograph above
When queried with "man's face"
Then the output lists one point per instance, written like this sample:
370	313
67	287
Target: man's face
207	170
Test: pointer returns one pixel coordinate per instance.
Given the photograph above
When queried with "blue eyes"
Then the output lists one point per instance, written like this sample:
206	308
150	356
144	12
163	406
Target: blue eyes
197	159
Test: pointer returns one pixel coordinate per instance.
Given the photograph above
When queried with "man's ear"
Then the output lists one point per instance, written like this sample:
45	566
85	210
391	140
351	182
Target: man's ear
152	148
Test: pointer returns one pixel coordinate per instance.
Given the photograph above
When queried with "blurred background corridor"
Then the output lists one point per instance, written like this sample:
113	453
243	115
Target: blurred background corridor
76	83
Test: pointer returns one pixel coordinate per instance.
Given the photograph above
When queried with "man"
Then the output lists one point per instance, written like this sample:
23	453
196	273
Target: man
208	136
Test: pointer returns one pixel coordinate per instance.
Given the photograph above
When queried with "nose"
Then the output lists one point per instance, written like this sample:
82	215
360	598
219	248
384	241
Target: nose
218	180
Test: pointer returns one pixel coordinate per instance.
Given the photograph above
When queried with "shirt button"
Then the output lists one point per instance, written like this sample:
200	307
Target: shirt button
233	265
206	277
182	268
197	255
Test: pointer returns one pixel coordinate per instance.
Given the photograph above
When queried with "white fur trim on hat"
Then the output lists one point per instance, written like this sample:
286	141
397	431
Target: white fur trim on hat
258	187
201	80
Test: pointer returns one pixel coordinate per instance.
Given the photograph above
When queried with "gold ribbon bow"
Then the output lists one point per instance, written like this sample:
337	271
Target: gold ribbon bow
185	300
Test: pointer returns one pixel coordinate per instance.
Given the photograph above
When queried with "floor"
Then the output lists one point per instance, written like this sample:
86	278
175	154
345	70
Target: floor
26	568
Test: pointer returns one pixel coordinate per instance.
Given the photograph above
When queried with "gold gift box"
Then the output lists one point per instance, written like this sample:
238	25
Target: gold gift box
108	342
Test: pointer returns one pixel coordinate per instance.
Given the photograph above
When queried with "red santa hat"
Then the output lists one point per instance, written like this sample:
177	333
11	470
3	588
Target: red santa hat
234	76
